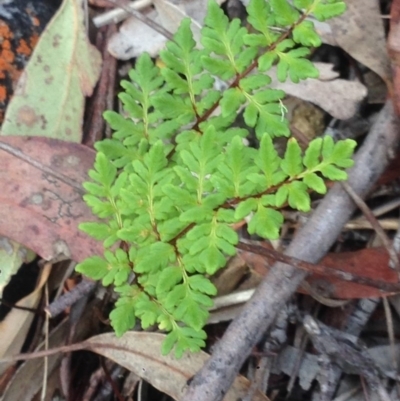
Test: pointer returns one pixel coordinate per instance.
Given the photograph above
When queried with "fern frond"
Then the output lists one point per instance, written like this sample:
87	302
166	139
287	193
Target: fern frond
177	174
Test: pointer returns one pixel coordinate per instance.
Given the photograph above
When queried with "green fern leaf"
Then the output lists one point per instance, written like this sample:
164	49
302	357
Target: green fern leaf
314	182
266	222
231	100
284	13
295	65
154	257
323	11
94	267
169	277
202	284
333	173
304	34
298	196
261	18
312	155
191	313
122	317
303	3
292	162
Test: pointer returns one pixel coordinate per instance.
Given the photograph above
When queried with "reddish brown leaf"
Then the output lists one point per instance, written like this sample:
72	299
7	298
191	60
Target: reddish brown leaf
41	195
371	263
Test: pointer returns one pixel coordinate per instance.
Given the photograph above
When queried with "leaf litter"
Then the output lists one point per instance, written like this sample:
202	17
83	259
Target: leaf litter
63	70
369	51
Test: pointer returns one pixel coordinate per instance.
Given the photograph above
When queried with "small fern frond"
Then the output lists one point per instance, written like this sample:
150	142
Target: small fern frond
177	175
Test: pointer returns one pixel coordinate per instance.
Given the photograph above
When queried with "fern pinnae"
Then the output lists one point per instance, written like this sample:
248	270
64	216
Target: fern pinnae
176	176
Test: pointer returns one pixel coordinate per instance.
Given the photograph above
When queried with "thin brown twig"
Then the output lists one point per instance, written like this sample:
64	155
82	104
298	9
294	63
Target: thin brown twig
387	243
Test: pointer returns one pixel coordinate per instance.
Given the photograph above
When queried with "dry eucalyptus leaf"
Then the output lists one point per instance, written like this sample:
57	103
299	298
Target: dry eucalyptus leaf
139	352
64	68
41	198
14	327
171	16
135	37
338	97
360	32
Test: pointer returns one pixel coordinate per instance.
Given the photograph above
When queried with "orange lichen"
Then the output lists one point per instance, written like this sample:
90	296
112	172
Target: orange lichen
23	48
33	40
6	55
3	94
5	32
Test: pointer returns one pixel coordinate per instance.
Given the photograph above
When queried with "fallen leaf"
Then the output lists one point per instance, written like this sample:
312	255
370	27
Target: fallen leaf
171	16
372	263
26	382
229	277
140	353
41	198
14	327
339	97
64	68
360	32
12	255
135	37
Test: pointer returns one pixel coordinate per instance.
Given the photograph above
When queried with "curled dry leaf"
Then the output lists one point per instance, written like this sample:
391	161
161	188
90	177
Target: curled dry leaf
64	68
338	97
41	198
360	32
140	353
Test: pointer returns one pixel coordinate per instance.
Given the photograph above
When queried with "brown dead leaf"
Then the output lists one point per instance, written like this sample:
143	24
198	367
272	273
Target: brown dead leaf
41	198
229	277
371	263
140	353
360	32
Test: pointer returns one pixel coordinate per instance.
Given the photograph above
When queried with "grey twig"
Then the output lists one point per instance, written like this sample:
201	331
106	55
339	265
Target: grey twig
355	323
311	244
334	344
68	299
